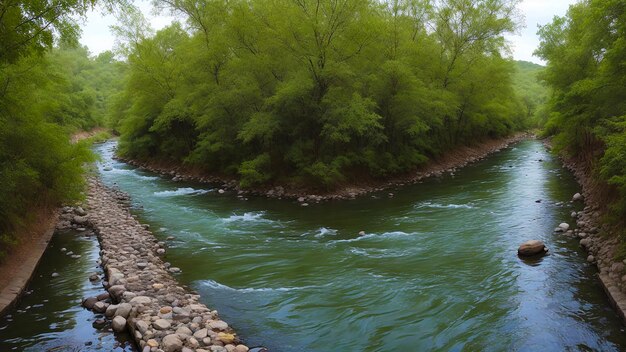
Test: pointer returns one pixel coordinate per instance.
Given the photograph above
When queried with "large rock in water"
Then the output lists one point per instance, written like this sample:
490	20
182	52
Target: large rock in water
532	247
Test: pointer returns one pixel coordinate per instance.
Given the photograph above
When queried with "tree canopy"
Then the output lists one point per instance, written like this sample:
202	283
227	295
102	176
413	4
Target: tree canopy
317	92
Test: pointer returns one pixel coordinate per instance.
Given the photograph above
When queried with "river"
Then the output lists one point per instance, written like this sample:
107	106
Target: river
436	270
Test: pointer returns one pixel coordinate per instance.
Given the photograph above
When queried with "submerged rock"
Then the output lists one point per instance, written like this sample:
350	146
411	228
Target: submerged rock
531	248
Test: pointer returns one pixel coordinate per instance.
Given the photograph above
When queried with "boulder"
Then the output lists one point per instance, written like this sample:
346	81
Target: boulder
172	343
118	324
577	197
123	310
161	324
532	247
90	302
564	226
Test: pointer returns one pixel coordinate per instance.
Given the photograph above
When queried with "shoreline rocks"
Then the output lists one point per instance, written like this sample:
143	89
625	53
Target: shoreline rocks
597	238
142	297
304	197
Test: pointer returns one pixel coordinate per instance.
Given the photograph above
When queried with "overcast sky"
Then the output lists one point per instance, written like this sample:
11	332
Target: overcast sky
98	37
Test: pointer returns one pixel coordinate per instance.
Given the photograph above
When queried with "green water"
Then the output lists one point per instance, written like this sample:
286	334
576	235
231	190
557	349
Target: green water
49	317
436	271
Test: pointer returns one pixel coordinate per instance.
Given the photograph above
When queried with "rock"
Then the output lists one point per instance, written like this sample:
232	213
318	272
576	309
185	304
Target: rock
172	343
300	199
160	251
217	325
200	334
532	247
241	348
577	197
99	323
55	275
141	326
90	302
183	330
161	324
103	296
152	343
80	211
226	337
564	226
574	215
585	242
140	300
111	309
123	310
221	191
361	233
100	307
591	258
94	277
218	349
118	324
116	291
165	310
174	270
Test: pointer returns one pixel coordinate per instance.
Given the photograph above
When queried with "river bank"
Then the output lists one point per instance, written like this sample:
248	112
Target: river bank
598	238
449	163
142	295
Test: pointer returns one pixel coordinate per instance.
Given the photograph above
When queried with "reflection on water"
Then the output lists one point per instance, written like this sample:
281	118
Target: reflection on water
50	317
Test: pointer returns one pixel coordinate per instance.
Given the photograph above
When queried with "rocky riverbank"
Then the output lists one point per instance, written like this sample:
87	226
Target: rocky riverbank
449	163
142	296
598	238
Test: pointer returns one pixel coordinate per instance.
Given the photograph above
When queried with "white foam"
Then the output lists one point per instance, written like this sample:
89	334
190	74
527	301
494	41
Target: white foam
216	285
376	236
323	231
443	206
256	216
181	192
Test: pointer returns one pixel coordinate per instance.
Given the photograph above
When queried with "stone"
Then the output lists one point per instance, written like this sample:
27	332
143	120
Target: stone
140	300
123	310
116	291
585	242
55	275
226	337
165	310
80	211
217	325
111	309
161	324
152	343
118	324
200	334
103	296
564	226
141	326
90	302
532	247
577	197
183	330
361	233
94	277
221	191
574	214
160	251
241	348
172	343
218	349
100	307
591	258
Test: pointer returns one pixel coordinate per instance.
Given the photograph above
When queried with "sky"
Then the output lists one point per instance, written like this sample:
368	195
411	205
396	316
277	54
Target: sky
98	37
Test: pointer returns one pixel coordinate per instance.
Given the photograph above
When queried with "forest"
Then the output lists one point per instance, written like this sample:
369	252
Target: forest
308	93
316	93
586	75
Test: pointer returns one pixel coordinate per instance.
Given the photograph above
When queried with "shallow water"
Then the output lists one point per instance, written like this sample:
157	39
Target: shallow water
437	269
49	317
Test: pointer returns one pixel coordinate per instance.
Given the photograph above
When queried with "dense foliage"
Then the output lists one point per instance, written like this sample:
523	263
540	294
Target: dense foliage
43	95
317	92
586	54
532	91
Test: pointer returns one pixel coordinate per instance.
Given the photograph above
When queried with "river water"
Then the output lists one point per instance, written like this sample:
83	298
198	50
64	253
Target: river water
437	269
